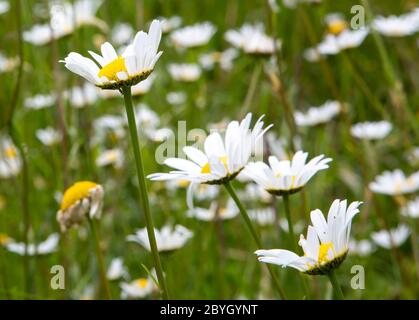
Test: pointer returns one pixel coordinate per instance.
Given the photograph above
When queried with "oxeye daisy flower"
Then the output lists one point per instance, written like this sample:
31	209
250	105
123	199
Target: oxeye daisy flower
251	39
7	64
169	24
83	96
40	101
4	7
224	59
227	212
116	269
45	247
335	23
111	71
222	159
347	39
83	199
371	130
137	289
388	239
362	248
286	176
318	115
168	238
196	35
411	208
397	26
395	183
185	72
326	245
108	157
10	160
48	136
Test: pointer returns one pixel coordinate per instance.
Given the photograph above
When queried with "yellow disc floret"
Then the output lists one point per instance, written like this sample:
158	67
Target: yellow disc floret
76	192
10	152
111	69
323	250
207	168
337	26
142	283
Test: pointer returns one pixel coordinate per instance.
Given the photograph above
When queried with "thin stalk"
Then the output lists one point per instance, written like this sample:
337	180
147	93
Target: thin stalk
126	91
101	264
255	236
336	287
252	88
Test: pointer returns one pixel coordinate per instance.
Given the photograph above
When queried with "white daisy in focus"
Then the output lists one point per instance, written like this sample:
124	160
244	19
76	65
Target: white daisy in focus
286	176
48	136
10	160
169	24
168	238
318	115
222	159
116	269
185	72
326	245
139	89
371	130
395	183
65	19
114	157
4	7
196	35
397	26
395	238
82	199
137	289
228	212
45	247
347	39
411	209
134	65
224	59
251	39
40	101
362	248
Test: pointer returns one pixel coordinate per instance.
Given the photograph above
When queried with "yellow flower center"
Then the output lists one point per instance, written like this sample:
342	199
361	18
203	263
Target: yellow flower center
111	69
183	183
207	168
142	283
337	26
323	250
10	152
77	191
4	239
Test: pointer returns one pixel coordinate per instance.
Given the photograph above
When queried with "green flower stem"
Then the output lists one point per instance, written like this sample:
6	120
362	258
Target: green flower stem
336	287
255	236
293	239
101	264
126	91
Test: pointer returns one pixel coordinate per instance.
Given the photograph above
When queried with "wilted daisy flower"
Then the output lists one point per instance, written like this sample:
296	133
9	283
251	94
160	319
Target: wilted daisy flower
83	96
137	289
230	211
224	58
251	39
286	176
168	238
48	136
196	35
395	183
411	208
169	24
65	19
134	65
122	33
176	98
4	7
40	101
108	157
116	269
45	247
318	115
10	160
7	64
335	23
326	245
83	199
347	39
393	26
362	248
222	159
186	72
371	130
395	238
